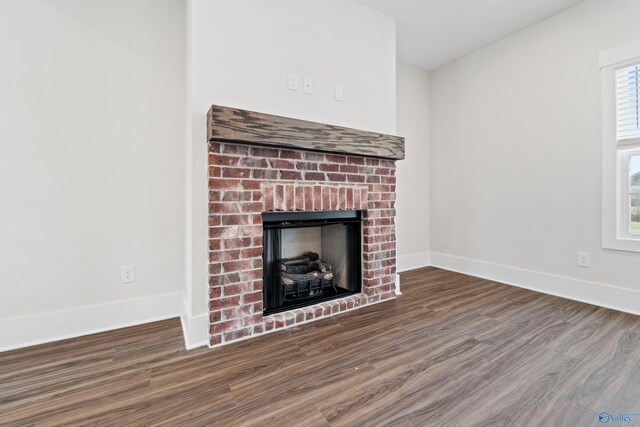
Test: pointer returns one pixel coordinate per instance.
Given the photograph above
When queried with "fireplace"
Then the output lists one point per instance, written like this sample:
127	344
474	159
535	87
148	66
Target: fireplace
301	221
310	257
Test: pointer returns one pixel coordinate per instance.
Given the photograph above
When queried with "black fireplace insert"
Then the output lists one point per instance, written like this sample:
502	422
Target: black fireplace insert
310	257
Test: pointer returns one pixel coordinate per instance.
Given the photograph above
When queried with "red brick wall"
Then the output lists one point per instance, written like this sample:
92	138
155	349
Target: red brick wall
245	181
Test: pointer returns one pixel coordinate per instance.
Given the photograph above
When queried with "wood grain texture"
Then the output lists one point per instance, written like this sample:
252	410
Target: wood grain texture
453	350
225	124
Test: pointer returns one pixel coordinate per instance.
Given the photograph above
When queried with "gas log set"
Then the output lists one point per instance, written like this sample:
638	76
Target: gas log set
305	276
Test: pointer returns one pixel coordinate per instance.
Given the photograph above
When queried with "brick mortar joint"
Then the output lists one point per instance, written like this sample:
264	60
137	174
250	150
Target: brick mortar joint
274	183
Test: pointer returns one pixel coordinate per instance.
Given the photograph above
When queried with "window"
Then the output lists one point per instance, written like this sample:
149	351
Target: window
627	103
620	72
632	193
628	138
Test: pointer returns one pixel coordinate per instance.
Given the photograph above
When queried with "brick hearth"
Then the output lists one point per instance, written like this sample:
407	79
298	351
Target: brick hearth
245	181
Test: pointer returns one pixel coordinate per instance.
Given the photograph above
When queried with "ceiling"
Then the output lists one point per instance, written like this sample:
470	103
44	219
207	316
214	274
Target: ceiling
432	33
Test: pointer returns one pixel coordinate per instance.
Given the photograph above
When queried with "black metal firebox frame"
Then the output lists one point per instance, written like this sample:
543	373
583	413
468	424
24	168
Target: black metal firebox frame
275	222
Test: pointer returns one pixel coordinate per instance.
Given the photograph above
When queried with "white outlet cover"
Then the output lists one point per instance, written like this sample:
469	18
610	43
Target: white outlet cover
128	273
339	93
308	85
584	259
292	81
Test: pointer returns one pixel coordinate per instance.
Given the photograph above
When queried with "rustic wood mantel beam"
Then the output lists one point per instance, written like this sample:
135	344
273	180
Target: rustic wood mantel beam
225	124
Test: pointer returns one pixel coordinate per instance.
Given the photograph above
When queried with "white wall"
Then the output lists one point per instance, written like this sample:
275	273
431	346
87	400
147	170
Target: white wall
91	164
515	154
240	54
412	118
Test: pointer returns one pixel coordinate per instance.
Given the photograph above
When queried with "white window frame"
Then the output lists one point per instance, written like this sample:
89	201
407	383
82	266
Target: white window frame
615	154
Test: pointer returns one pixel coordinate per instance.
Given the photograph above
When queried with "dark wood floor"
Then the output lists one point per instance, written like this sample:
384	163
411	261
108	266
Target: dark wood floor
453	350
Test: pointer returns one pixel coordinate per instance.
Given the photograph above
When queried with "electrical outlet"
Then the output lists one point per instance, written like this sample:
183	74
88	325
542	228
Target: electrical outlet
339	92
292	81
128	274
584	259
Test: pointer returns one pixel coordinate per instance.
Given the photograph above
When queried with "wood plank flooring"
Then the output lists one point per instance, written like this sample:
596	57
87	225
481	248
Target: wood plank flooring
453	350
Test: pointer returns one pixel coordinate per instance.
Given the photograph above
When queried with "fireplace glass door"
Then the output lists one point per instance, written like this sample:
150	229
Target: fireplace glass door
310	257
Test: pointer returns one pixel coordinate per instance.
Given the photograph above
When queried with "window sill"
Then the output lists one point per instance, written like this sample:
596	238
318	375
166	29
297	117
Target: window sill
627	245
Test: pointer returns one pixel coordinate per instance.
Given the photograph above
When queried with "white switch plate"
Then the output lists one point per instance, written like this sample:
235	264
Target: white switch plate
308	85
292	81
128	274
584	259
339	93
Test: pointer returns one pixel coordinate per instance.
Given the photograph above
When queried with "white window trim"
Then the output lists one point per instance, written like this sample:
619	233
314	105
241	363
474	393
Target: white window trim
613	190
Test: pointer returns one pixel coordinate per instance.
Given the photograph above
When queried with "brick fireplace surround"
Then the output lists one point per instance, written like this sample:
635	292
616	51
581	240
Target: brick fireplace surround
247	180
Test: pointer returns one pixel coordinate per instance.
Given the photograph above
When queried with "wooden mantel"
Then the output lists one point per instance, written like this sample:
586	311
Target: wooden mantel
225	124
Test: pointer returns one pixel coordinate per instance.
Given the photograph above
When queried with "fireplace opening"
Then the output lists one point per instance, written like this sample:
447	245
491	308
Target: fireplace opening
310	257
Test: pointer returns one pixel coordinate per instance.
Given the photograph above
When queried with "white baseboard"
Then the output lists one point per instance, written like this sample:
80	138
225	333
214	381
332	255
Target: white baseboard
599	294
196	330
412	261
58	325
